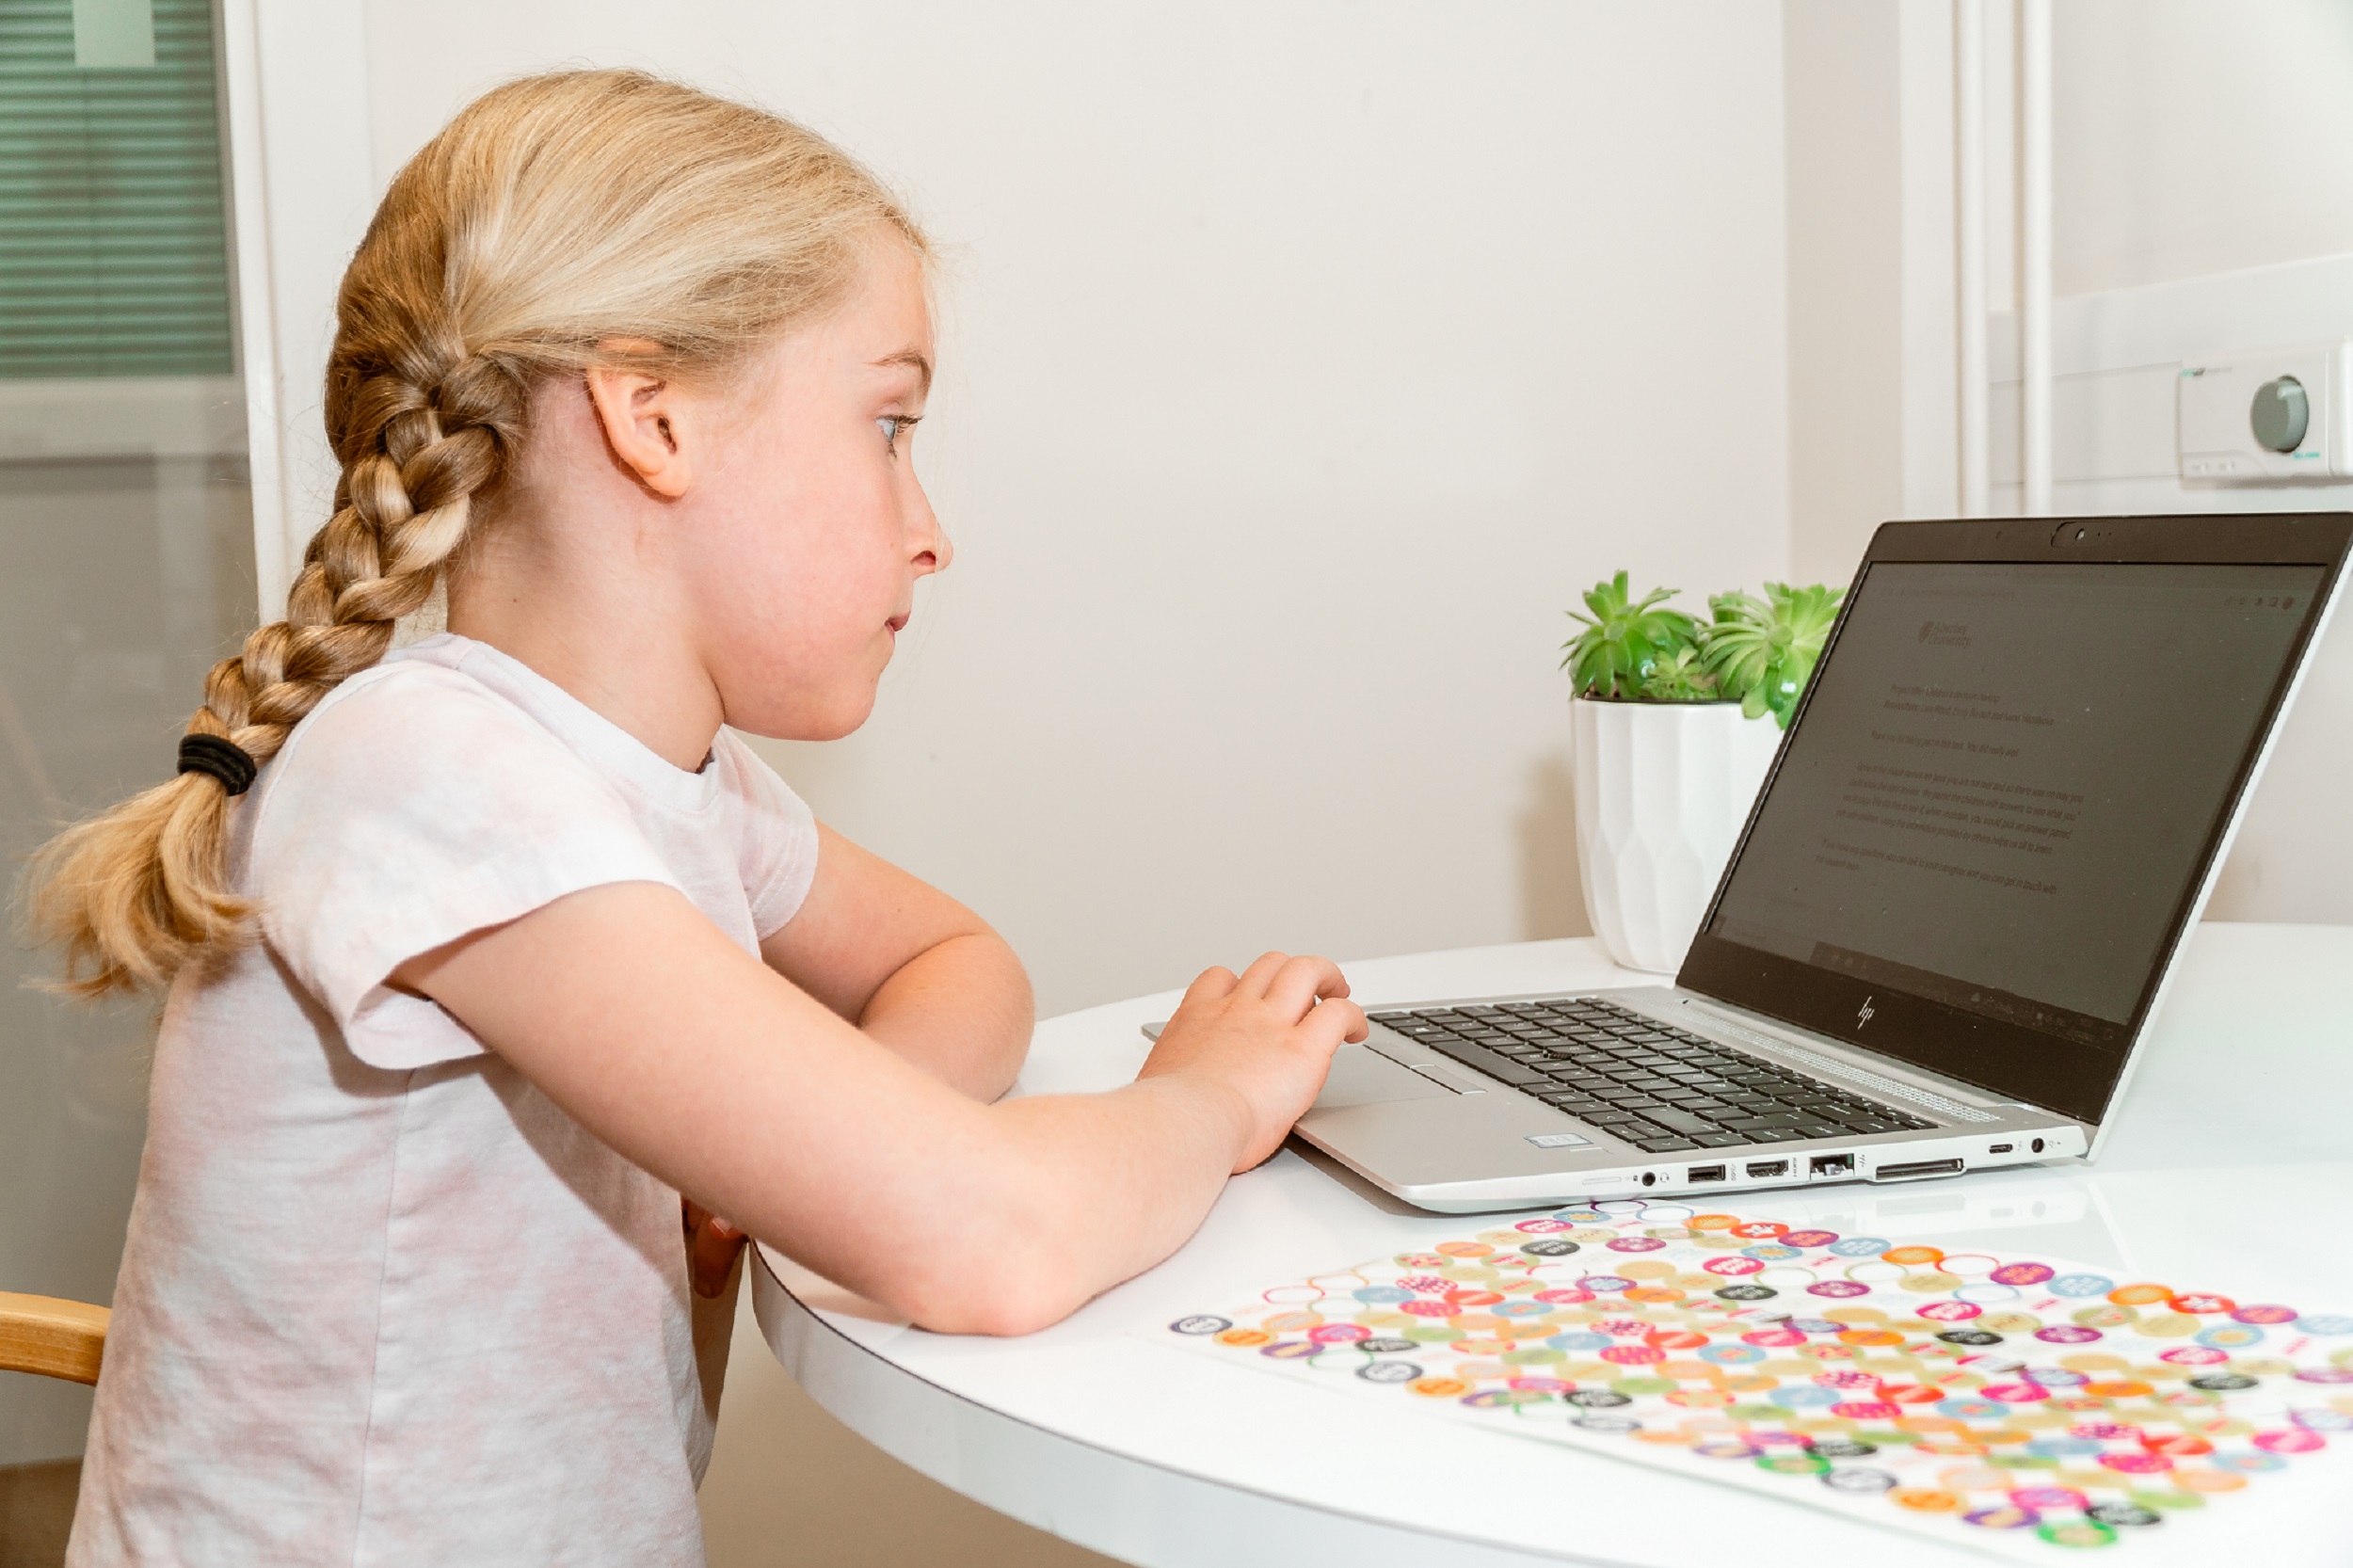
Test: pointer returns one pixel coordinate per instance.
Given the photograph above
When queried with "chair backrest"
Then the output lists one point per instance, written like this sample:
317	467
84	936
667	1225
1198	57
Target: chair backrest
56	1338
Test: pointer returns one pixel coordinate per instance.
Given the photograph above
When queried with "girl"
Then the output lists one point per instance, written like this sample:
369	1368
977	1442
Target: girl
482	952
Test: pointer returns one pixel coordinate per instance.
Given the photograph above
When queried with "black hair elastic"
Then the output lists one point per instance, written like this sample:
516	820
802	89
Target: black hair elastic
220	756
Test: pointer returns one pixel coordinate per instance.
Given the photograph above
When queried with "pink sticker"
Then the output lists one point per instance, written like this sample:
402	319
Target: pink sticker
1564	1296
1733	1265
2106	1430
1840	1288
2265	1314
1339	1333
1423	1307
1951	1312
1633	1356
1808	1239
1637	1243
1622	1328
2049	1497
2193	1355
2067	1334
2015	1393
2135	1464
1866	1410
1539	1386
2290	1440
2021	1274
1775	1337
1426	1285
1543	1227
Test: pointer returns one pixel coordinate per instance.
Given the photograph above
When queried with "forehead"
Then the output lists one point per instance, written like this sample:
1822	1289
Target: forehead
892	299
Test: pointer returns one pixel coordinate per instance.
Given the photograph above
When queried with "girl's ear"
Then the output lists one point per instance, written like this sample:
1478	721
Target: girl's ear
649	428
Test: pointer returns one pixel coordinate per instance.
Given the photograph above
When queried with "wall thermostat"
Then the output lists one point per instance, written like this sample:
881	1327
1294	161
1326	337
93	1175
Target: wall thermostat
2274	416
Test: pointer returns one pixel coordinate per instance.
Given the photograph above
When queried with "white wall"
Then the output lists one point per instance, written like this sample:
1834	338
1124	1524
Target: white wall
1301	363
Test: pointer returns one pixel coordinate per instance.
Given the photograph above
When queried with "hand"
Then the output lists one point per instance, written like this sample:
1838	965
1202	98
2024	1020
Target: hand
712	1245
1265	1038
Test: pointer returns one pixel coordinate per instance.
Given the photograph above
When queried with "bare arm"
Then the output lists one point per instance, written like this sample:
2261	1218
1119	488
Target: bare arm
917	972
635	1013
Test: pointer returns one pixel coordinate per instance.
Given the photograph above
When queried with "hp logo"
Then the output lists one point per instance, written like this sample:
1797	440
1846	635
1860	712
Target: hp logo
1865	1016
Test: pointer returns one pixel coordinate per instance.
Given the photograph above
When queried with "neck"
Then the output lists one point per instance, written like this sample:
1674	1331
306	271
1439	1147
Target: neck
599	628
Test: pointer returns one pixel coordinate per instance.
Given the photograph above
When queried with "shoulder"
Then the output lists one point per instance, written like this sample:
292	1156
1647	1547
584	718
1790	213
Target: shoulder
777	845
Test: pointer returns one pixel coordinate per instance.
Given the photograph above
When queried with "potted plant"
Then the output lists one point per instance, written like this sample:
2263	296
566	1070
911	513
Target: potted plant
1668	752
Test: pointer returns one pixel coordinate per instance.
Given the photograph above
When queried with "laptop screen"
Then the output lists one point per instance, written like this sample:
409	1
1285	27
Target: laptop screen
2001	796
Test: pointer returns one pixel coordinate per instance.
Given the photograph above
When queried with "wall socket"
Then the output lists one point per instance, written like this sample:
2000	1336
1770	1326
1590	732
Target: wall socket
2270	416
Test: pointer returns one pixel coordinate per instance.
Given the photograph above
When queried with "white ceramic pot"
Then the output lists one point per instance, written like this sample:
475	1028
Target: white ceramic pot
1662	789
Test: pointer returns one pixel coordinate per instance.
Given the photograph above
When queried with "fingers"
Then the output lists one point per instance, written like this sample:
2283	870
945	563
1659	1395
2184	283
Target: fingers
1210	984
1255	978
1299	981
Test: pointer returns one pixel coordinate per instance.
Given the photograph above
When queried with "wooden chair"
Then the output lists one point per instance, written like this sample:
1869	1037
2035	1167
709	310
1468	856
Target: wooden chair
52	1338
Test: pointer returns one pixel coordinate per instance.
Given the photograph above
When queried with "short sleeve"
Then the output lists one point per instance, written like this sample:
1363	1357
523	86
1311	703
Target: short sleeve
405	813
779	837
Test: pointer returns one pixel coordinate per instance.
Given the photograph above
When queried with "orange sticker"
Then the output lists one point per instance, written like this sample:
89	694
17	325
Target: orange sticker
2208	1480
1926	1499
2122	1388
1870	1336
1908	1256
1657	1294
2140	1295
1712	1221
1438	1388
1244	1337
1465	1249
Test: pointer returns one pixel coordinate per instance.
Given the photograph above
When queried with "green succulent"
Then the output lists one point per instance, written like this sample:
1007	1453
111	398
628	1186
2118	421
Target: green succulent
1763	651
1680	676
1625	640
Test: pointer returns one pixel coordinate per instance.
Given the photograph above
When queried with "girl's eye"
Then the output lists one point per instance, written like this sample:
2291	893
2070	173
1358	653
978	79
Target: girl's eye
894	426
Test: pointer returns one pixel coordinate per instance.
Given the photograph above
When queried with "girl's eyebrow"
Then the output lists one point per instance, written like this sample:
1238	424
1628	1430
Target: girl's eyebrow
915	357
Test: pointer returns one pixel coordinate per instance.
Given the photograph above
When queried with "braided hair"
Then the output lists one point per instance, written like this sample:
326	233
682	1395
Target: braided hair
562	221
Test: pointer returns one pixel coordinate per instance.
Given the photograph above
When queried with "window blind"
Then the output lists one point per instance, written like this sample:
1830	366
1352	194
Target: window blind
114	250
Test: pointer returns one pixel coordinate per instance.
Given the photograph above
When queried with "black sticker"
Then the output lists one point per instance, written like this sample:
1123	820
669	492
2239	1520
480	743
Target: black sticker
1201	1325
1969	1336
1841	1447
2222	1382
1748	1292
1386	1347
1857	1480
1597	1398
2129	1515
1551	1246
1615	1424
1389	1371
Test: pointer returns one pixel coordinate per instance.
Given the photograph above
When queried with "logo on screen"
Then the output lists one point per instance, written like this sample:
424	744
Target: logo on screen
1865	1016
1944	634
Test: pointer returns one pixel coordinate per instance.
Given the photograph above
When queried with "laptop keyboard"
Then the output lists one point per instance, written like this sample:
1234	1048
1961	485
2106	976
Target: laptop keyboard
1658	1088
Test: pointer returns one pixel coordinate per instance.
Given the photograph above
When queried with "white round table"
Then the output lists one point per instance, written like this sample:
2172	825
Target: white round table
2231	1167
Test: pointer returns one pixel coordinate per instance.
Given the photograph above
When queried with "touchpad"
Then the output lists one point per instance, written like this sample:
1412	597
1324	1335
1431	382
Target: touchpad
1364	1076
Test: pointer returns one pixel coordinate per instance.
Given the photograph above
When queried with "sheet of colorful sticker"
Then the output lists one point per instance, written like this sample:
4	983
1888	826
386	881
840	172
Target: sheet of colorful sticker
2022	1405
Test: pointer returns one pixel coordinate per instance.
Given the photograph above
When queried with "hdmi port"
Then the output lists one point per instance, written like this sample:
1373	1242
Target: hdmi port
1917	1168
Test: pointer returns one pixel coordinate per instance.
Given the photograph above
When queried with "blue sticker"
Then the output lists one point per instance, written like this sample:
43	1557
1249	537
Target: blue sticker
2081	1285
1804	1396
1773	1252
1861	1246
2065	1448
2326	1323
1580	1341
1385	1293
1603	1285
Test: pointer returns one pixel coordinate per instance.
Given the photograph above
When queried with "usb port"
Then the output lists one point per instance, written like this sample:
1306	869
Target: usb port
1704	1173
1833	1164
2000	1148
1760	1168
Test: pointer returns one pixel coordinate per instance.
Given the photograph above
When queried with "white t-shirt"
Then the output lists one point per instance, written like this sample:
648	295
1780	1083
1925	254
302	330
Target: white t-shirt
382	1303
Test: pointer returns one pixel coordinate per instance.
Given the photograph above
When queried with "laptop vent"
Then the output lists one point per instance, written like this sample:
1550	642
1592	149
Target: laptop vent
1837	1068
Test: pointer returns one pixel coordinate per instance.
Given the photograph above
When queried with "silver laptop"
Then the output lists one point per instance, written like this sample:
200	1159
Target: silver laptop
1951	916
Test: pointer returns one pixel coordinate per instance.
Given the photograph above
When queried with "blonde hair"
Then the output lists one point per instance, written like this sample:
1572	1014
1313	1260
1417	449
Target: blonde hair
554	221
